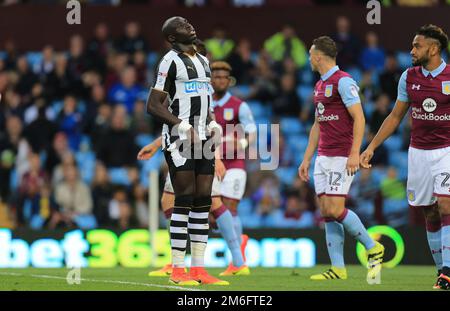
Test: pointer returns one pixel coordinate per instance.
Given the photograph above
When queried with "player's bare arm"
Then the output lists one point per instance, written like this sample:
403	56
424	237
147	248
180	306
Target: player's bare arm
309	152
388	127
359	123
149	150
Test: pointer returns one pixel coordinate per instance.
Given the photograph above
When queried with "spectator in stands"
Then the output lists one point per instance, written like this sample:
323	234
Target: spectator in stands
70	121
27	78
141	121
364	196
306	193
9	144
102	190
372	56
295	213
348	44
120	212
116	64
264	87
140	204
219	46
286	44
47	65
127	91
381	111
389	78
241	61
267	200
287	103
60	147
40	132
66	159
41	210
29	187
140	64
395	205
77	64
75	201
117	139
11	55
368	89
58	82
380	157
99	47
132	40
96	99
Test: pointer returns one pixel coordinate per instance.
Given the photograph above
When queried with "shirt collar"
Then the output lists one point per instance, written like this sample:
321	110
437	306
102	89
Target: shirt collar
223	100
329	73
435	72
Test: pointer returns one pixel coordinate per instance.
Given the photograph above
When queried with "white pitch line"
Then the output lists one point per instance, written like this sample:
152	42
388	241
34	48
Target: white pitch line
43	276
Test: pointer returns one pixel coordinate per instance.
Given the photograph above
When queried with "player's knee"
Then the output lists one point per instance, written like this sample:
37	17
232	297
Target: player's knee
331	210
184	200
231	205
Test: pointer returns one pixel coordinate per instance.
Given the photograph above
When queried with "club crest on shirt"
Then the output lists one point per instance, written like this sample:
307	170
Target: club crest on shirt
228	114
328	90
446	87
411	195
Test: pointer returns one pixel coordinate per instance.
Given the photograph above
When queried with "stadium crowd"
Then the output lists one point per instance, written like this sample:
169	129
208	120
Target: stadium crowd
72	122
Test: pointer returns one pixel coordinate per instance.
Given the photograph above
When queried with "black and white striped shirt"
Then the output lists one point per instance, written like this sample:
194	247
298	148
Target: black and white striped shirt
187	80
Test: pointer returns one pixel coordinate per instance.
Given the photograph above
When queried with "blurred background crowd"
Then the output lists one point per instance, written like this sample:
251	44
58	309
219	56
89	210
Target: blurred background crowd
73	120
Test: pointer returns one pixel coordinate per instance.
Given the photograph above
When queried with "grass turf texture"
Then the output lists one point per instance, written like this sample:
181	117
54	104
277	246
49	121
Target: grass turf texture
410	278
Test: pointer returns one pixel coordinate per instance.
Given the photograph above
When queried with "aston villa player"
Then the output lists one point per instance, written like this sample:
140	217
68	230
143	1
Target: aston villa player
426	89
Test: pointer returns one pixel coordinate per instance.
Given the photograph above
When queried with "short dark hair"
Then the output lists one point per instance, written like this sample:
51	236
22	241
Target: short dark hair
326	45
434	32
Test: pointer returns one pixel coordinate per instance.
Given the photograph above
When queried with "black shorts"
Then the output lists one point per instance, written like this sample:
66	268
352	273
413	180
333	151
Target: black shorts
201	165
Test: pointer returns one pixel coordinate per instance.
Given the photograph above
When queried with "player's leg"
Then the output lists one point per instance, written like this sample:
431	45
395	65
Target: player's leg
224	221
199	224
420	188
444	209
167	203
334	231
232	190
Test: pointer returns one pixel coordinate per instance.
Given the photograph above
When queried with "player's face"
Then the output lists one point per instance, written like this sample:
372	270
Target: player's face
185	32
420	52
220	80
313	58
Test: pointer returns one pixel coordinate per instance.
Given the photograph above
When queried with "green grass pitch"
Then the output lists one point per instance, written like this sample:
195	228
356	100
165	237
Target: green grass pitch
408	278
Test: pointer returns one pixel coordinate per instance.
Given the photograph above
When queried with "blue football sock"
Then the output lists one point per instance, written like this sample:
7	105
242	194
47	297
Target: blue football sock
238	228
434	241
445	237
354	226
226	228
334	233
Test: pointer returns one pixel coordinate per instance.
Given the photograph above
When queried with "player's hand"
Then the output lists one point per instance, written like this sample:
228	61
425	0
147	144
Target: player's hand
365	158
352	164
303	170
219	169
147	152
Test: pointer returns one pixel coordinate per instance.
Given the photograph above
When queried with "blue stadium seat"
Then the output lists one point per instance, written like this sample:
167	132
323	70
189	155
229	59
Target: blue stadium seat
257	109
3	54
306	76
304	92
86	164
13	180
57	106
368	108
286	174
298	143
393	143
34	59
240	90
398	158
119	176
245	207
254	57
152	58
404	60
144	139
291	126
356	74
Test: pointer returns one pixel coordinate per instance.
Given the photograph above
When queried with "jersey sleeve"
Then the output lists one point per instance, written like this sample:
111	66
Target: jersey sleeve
402	94
166	75
348	89
246	118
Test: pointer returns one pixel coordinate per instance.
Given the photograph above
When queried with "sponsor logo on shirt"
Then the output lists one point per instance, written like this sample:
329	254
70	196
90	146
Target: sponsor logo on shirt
195	86
429	105
418	114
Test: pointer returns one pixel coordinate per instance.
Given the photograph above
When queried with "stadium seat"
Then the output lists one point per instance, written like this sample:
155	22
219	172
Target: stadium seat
119	176
245	207
304	92
393	143
257	109
306	76
14	180
368	108
404	60
291	126
34	59
240	90
3	55
143	139
356	74
286	174
86	163
152	59
398	158
298	144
